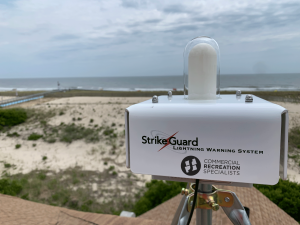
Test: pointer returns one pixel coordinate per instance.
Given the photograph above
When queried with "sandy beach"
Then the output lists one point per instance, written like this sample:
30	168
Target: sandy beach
103	112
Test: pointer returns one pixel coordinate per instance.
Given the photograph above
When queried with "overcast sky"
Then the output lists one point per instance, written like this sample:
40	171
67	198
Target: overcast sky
77	38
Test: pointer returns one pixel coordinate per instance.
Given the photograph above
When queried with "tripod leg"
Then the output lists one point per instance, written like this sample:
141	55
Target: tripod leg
179	209
184	215
236	213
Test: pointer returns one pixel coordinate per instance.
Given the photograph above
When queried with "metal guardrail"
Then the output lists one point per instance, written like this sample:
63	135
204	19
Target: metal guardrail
17	100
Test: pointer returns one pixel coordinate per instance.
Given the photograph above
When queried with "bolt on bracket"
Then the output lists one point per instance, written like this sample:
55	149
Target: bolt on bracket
213	200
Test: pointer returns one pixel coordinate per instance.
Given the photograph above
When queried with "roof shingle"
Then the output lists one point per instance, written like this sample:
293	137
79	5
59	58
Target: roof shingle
262	210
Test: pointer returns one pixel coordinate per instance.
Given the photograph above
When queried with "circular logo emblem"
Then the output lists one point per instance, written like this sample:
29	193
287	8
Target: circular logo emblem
190	165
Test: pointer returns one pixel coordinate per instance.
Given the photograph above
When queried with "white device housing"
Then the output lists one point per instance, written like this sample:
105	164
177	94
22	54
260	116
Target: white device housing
236	142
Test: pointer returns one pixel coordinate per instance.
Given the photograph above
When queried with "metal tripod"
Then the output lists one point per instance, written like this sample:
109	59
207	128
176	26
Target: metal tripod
210	198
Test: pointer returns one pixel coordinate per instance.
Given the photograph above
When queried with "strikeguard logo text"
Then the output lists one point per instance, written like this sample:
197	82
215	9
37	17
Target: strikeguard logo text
169	141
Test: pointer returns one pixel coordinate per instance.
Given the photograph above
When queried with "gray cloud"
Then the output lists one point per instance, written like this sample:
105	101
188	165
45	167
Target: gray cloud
152	21
183	28
176	8
64	37
141	33
133	3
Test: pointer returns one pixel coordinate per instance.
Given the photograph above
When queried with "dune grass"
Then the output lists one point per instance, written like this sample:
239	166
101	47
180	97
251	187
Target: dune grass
74	188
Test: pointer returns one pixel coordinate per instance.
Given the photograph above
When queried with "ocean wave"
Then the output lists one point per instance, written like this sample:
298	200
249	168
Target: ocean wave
260	89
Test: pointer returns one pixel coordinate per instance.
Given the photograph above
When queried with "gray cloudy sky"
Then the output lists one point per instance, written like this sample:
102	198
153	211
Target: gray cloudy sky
68	38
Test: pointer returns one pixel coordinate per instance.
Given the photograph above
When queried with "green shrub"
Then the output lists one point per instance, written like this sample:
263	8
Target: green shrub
34	137
61	113
7	165
111	168
108	131
43	122
33	145
285	194
157	193
12	117
10	187
18	146
41	176
294	138
113	124
73	132
51	140
91	120
44	158
14	134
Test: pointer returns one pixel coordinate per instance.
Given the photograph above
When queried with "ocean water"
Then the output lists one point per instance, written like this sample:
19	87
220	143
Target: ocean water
255	82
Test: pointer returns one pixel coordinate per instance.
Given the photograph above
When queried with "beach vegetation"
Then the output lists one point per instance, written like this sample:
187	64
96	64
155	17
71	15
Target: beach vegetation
73	132
38	115
34	137
294	144
41	175
111	168
79	118
14	134
285	96
10	187
51	140
61	113
44	158
12	117
72	188
34	144
91	120
43	122
285	194
113	124
18	146
157	192
294	137
7	165
108	131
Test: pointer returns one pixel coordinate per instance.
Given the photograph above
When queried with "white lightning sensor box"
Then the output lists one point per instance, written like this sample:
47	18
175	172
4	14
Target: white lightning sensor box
233	139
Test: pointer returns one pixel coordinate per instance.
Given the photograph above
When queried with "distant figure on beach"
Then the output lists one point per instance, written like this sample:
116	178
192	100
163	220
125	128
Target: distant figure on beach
58	84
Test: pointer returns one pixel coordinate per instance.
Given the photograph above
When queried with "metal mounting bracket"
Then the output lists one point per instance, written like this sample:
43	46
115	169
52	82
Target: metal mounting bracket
228	200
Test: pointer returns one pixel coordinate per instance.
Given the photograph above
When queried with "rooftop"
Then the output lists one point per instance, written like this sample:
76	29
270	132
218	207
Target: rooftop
14	210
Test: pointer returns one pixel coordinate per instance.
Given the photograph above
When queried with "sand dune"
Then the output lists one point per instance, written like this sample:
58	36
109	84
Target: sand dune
104	111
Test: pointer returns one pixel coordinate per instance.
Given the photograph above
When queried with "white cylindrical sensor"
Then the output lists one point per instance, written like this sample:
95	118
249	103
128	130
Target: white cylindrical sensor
201	69
202	72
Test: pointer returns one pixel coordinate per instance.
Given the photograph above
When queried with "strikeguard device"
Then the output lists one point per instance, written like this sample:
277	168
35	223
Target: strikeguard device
232	139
